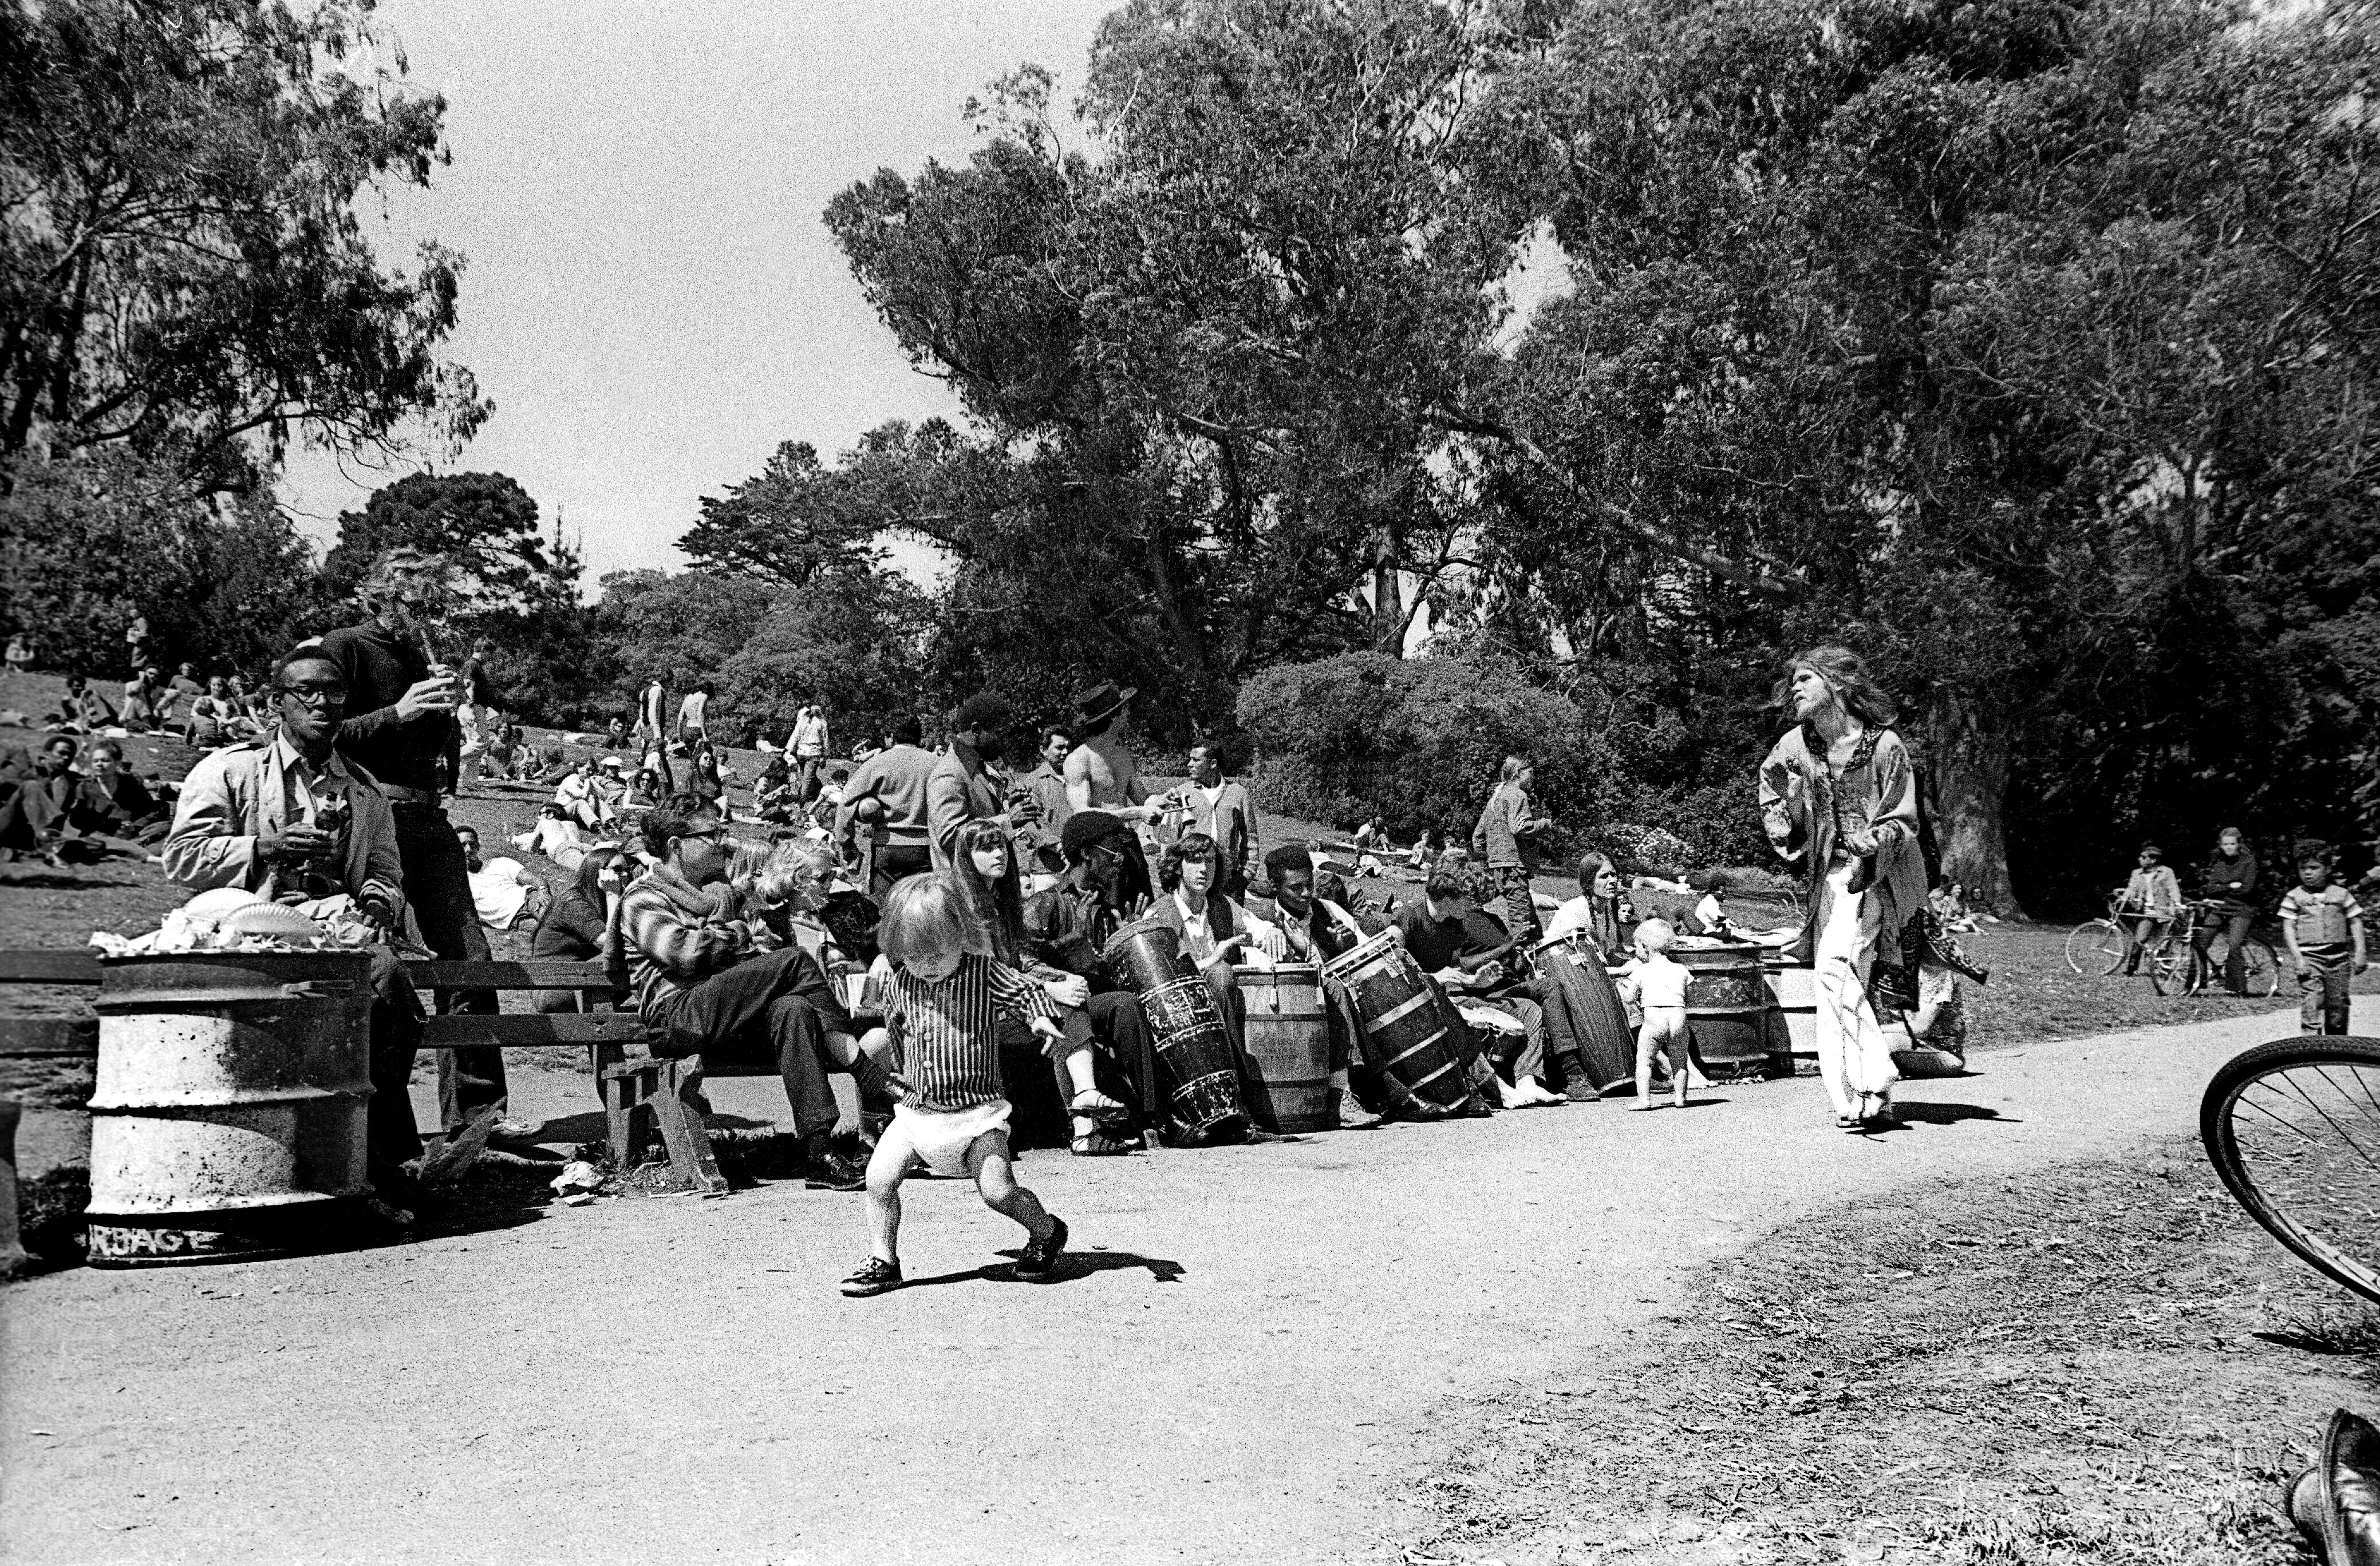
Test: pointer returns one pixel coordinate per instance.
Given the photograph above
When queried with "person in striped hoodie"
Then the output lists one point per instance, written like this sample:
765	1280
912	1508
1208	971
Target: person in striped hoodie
704	984
941	1002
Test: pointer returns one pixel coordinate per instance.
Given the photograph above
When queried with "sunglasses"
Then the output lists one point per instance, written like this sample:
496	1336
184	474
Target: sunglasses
317	696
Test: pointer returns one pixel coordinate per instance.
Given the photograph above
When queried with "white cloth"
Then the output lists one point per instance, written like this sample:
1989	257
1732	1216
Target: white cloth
499	887
558	839
1576	915
941	1141
1853	1055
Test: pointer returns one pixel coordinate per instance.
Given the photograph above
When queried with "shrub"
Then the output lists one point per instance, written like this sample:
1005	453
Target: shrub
1419	740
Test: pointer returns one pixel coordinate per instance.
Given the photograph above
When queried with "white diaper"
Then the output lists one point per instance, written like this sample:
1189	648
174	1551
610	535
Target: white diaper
942	1140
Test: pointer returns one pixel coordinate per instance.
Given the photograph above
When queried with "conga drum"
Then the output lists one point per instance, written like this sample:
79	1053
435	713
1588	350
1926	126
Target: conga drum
1727	1004
1287	1079
1145	957
1607	1045
1411	1025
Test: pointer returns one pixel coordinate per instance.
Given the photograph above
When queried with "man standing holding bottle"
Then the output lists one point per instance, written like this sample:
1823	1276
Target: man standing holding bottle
400	727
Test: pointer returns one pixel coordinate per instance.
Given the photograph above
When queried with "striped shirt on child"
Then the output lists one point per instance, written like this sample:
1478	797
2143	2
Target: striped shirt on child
946	1036
2323	917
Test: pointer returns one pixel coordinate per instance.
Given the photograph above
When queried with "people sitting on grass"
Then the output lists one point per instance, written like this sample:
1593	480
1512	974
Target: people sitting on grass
581	925
577	798
182	689
146	700
705	987
772	791
34	809
80	710
21	653
212	716
254	720
111	803
505	894
943	1001
557	836
292	821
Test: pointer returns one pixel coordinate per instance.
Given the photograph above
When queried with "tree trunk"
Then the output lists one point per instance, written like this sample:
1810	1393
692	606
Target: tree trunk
1388	616
1967	751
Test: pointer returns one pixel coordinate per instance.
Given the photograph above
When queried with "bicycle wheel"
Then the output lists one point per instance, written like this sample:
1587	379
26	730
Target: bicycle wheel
2260	970
2293	1130
2095	947
2175	968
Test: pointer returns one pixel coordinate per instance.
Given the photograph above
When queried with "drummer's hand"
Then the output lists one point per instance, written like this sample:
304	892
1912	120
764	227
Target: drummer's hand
1227	948
1487	976
1270	942
1452	978
1072	991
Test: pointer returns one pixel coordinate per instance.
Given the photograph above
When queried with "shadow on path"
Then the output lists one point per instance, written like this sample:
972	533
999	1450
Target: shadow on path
1072	1266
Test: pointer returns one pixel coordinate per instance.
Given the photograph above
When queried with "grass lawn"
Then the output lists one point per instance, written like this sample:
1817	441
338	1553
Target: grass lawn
2106	1362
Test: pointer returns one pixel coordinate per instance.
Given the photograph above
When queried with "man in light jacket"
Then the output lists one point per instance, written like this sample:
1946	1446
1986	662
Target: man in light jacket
292	820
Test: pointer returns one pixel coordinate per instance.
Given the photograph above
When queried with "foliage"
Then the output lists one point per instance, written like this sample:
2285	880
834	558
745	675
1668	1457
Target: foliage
681	628
88	544
182	268
485	524
1420	741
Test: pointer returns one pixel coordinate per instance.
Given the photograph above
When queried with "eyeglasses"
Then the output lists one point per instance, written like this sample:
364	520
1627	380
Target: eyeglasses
318	695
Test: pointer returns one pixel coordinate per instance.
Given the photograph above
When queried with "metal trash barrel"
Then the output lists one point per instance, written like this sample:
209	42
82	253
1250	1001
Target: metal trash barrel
1727	1004
1793	1006
227	1119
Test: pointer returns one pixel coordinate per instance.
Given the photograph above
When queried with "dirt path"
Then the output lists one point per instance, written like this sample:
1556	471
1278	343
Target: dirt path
1239	1373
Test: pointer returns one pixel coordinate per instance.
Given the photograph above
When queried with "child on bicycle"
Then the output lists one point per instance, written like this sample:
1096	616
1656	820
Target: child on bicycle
2323	925
2147	906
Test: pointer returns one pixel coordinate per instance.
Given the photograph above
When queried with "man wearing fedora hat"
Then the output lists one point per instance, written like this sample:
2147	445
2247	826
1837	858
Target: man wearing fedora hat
1100	773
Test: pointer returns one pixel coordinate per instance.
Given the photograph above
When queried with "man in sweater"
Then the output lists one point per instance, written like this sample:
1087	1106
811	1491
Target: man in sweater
1213	804
888	792
964	787
704	988
400	729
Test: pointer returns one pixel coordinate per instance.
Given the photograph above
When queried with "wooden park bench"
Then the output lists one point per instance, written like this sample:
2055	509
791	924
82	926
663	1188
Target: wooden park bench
639	1090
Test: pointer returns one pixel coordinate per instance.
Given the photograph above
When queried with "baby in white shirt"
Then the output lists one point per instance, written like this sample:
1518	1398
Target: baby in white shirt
1659	987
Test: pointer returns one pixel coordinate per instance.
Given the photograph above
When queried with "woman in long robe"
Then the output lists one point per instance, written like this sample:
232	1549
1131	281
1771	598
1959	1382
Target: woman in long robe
1838	796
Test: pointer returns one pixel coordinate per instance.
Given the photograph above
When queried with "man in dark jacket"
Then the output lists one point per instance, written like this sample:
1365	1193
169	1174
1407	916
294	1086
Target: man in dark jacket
401	729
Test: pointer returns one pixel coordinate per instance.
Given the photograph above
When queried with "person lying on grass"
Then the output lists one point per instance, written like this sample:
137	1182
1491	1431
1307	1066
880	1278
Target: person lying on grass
942	1003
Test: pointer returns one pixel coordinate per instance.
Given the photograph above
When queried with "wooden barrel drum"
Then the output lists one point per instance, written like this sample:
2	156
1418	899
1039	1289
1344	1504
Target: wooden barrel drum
1287	1079
1413	1027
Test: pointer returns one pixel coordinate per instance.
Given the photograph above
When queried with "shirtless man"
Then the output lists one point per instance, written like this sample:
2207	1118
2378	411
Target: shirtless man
1100	773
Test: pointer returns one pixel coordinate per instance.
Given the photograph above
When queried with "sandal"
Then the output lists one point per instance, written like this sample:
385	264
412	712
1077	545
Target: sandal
1100	1145
1095	1105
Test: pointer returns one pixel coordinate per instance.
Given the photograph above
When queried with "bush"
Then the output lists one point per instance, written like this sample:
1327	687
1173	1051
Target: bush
1418	740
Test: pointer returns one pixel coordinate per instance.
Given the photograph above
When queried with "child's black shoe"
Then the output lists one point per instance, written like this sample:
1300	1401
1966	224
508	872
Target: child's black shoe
1039	1260
876	1276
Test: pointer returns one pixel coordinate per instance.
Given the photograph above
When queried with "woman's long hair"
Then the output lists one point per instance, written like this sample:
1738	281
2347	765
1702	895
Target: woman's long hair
1853	686
1513	767
997	905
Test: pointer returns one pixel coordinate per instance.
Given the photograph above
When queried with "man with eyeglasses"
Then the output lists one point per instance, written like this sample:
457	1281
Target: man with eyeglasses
705	985
291	821
400	728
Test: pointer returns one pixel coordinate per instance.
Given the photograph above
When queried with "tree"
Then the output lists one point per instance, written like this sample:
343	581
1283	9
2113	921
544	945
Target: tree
682	627
181	266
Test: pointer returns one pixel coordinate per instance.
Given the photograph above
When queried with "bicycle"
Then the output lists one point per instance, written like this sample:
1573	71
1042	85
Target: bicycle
2180	962
2293	1131
2095	947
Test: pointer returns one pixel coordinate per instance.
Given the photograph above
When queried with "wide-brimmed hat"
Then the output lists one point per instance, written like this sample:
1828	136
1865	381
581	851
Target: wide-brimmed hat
1103	700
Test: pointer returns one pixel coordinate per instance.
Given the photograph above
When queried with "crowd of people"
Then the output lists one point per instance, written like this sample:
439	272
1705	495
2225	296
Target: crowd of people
939	925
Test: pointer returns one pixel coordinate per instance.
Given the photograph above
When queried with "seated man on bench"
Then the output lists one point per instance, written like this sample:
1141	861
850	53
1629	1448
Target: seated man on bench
293	821
704	986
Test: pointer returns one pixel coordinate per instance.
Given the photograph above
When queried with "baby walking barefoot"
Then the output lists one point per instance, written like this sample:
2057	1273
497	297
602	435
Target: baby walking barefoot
942	1004
1659	987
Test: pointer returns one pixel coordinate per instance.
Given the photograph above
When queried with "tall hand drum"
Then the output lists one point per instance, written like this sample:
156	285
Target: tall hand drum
1145	957
1288	1068
1573	967
1412	1027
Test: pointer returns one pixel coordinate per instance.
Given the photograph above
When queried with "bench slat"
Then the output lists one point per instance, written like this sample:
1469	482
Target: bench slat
528	1032
509	975
31	1037
69	965
64	965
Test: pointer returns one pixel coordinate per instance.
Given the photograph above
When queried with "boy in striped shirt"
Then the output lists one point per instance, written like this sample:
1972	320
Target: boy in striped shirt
2323	925
942	1003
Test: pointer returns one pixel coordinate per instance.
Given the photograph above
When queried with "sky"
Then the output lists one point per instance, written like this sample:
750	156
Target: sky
650	298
